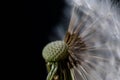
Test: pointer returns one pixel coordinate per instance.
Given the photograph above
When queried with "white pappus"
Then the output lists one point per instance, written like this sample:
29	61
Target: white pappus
100	31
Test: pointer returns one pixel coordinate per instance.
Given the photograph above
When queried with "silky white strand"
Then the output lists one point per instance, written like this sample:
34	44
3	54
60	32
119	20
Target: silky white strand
101	32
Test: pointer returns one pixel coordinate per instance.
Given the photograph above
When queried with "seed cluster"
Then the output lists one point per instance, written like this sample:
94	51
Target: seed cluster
55	51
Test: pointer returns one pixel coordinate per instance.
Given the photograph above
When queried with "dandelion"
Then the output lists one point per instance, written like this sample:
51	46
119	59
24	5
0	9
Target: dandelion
90	49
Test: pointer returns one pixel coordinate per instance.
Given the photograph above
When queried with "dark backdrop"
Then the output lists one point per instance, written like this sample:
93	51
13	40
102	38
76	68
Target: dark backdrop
40	17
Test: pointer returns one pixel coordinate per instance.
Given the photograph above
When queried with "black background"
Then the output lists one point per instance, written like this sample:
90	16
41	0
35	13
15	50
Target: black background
40	16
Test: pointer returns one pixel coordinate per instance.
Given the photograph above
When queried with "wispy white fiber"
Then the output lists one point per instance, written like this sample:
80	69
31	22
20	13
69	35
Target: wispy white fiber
101	31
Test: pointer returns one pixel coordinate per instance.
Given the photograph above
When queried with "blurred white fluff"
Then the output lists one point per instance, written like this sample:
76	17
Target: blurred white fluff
101	31
106	23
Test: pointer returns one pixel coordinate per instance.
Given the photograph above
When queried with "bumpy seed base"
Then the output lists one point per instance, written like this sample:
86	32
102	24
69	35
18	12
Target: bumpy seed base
55	51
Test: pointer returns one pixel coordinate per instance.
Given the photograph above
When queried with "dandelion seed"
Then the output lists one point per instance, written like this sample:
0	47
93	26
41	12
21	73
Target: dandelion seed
90	49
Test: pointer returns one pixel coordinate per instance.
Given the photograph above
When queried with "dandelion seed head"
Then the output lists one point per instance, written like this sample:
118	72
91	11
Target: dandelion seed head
96	50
